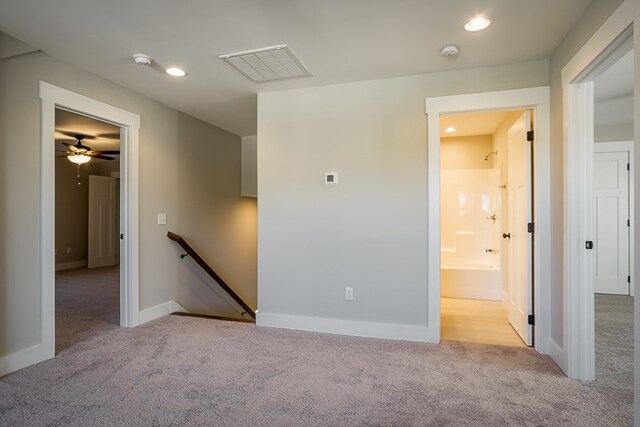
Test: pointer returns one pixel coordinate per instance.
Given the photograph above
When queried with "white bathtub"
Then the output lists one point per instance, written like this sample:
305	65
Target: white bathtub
476	280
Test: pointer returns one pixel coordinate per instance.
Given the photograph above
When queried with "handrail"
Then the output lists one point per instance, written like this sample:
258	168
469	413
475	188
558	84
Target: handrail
202	263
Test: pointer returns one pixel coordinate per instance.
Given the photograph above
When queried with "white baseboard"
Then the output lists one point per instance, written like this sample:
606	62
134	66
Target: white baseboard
357	328
152	313
71	265
22	358
559	355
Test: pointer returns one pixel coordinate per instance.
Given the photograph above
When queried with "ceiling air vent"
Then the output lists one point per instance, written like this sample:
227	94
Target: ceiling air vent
267	64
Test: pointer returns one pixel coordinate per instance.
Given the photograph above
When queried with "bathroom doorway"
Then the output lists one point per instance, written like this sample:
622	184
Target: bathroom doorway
486	240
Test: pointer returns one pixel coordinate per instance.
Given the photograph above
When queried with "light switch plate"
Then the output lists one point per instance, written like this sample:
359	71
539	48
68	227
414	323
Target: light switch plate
162	219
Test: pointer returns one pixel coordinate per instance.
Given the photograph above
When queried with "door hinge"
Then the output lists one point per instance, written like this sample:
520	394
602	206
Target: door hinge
628	279
531	320
628	223
530	227
589	244
530	136
121	236
628	166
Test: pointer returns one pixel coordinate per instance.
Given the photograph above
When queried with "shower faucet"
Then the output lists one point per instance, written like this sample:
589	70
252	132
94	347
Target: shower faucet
486	158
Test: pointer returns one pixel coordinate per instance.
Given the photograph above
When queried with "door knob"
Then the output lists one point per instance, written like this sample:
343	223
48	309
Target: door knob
506	235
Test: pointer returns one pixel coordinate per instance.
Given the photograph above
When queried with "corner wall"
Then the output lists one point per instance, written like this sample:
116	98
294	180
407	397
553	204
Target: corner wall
588	24
370	231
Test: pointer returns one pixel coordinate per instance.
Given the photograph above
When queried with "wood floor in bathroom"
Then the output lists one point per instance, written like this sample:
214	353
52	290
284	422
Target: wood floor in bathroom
477	321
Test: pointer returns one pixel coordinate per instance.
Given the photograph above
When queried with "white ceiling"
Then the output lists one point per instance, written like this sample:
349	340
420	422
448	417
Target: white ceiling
337	40
98	135
472	124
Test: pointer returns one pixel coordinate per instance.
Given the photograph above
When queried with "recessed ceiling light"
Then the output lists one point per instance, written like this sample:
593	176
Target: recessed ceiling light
477	23
175	72
450	129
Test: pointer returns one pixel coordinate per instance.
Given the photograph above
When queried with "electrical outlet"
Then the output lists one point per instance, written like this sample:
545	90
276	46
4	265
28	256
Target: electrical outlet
348	294
68	250
162	219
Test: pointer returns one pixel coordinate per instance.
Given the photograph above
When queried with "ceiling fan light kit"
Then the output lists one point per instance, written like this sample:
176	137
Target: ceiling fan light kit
80	154
78	159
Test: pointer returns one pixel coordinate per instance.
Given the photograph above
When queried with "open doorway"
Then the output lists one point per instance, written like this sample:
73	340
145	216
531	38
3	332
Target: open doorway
535	100
87	200
612	222
486	244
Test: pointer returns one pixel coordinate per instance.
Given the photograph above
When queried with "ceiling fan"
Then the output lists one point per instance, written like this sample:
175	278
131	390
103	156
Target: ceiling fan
79	153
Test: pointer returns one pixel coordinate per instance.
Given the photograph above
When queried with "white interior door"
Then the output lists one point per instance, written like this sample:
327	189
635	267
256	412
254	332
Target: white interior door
611	230
102	221
520	214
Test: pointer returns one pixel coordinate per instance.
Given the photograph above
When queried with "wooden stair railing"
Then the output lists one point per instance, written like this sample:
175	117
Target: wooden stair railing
202	263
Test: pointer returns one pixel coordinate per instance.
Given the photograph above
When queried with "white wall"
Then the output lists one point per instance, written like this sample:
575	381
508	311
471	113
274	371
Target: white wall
162	139
370	231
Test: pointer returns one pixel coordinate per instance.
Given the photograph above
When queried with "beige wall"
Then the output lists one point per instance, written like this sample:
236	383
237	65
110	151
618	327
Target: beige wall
71	211
161	166
595	15
249	166
370	231
218	223
466	152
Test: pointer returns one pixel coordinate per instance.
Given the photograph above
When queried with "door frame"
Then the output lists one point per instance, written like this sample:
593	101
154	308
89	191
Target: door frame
609	43
538	99
621	147
52	97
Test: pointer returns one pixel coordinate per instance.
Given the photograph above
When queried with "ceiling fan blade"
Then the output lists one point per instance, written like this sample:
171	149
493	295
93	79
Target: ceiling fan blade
109	135
106	151
75	134
100	156
71	147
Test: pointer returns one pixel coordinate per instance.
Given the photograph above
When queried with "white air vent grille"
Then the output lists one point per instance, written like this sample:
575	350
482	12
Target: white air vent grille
267	64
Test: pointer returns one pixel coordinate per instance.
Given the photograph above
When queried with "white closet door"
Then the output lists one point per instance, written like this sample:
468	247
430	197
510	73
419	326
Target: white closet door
611	213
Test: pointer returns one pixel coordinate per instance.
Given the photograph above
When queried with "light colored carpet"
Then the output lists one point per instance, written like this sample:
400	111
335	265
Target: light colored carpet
192	371
614	346
87	302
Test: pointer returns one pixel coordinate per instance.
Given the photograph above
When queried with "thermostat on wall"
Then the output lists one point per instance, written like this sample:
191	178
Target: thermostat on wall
331	178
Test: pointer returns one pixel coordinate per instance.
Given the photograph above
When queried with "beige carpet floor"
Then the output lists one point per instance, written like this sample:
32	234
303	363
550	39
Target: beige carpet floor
184	371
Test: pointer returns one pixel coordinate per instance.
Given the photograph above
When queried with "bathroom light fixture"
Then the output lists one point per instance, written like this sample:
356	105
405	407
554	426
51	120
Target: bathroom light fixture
450	129
142	58
477	23
175	72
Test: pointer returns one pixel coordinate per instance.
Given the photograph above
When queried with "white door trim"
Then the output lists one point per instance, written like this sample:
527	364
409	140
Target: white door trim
610	42
538	99
52	97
